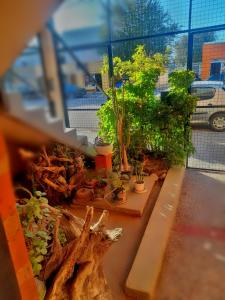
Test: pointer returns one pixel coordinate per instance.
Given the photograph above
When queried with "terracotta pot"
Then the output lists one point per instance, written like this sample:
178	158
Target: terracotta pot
104	149
139	186
122	196
84	194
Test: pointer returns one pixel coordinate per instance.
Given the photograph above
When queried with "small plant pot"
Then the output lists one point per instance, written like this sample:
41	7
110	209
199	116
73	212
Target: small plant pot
84	195
139	186
100	189
104	149
122	196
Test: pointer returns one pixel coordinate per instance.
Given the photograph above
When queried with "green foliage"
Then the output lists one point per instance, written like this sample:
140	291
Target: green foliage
36	236
161	125
139	171
181	80
135	99
171	134
62	237
115	181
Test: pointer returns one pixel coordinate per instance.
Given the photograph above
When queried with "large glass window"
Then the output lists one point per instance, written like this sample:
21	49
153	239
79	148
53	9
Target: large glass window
83	88
26	76
82	22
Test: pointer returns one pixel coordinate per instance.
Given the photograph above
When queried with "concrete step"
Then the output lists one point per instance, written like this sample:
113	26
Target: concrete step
40	118
83	139
144	274
71	132
34	116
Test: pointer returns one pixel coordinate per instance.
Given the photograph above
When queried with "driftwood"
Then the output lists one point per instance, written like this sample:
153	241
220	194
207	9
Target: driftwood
75	271
71	262
57	170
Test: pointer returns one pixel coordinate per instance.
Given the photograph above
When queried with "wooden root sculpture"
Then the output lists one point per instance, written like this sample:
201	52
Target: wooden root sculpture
74	271
58	171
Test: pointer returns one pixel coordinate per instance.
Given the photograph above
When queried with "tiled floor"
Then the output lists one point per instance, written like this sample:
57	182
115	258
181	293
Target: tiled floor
194	267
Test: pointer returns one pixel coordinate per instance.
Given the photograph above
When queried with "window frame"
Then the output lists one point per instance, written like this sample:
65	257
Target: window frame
200	98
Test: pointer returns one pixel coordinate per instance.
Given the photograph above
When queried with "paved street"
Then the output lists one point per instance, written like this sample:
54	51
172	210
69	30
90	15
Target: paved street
88	101
209	149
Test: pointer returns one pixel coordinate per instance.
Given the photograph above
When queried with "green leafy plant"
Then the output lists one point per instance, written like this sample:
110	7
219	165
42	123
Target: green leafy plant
145	121
139	172
99	142
171	131
115	181
37	232
124	119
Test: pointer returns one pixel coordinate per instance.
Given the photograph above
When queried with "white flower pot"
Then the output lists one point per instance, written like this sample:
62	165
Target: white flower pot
104	149
139	187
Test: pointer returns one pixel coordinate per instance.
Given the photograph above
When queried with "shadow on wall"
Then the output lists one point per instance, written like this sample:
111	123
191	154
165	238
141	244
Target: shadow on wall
8	285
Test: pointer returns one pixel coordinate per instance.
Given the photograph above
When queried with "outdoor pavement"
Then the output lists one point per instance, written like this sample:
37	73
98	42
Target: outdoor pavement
194	266
209	149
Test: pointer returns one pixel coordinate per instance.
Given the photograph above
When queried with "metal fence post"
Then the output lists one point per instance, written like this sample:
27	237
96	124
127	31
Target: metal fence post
190	38
109	47
60	76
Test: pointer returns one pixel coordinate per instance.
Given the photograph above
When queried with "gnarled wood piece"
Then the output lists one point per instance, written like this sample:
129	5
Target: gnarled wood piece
80	275
57	253
67	267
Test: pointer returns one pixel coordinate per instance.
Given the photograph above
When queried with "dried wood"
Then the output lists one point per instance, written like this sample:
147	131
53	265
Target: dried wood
56	258
80	275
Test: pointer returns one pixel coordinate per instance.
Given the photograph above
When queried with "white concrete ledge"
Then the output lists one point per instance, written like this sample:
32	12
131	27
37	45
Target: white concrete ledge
143	276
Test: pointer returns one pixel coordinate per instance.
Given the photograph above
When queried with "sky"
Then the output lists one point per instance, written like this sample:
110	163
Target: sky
74	14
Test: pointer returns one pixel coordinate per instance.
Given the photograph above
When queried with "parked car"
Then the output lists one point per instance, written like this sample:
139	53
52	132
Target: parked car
211	104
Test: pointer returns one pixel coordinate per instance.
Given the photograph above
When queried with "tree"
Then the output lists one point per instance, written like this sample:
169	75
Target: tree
181	47
140	18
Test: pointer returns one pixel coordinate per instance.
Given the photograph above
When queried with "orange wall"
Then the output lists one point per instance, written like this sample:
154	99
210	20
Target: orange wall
20	20
209	53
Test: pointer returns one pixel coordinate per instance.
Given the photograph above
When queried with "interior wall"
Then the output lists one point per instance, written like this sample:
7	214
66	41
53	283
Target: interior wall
8	284
19	21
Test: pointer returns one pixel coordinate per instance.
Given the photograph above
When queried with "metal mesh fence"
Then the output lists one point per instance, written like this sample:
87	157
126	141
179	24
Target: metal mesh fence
193	33
209	118
26	77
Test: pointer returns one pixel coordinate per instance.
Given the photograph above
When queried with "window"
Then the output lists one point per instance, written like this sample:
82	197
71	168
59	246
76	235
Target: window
203	93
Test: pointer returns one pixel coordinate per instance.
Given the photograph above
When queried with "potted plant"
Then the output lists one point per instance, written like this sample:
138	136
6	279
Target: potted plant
135	118
103	148
100	188
117	189
139	184
121	195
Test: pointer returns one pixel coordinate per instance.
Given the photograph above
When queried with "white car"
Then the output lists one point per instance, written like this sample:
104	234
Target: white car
211	104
